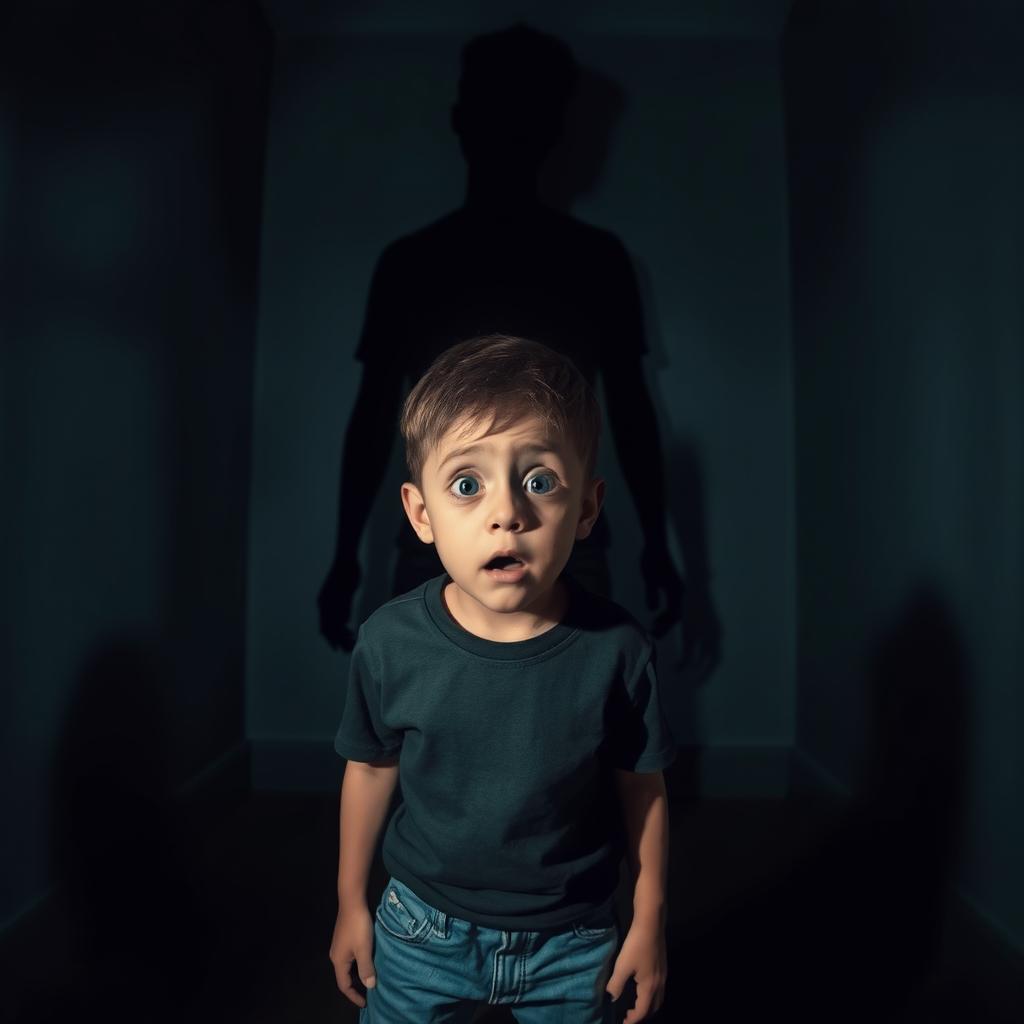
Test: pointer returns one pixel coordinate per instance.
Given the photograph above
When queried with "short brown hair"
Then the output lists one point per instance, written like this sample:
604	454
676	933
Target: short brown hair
505	378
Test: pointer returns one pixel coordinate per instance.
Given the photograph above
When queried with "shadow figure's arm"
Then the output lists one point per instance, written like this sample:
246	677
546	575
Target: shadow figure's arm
632	420
366	453
367	448
364	461
373	424
634	427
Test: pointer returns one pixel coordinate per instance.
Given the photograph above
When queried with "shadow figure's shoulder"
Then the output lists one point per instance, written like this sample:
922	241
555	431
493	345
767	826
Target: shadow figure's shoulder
584	234
427	238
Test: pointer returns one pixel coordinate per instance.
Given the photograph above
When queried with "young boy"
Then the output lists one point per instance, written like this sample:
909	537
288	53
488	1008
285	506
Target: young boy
522	712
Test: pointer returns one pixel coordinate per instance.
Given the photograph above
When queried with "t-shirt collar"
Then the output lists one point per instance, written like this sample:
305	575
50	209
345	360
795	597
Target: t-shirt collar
515	650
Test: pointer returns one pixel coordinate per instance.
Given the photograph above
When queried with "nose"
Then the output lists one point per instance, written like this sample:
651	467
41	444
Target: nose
505	513
513	526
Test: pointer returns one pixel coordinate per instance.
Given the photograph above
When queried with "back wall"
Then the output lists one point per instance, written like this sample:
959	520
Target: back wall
693	183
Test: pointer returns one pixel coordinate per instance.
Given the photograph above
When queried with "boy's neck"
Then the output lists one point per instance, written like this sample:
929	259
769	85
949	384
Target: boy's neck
505	627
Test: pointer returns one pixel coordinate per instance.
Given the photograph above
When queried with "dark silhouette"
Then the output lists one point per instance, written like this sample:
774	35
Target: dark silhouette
504	262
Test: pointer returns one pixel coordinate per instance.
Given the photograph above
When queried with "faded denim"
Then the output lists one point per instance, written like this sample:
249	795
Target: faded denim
433	968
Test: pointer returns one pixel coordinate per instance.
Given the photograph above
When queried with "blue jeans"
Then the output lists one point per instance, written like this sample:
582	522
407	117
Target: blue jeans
434	968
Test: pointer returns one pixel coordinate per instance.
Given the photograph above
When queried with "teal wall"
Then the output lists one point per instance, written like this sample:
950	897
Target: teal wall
130	169
359	152
829	254
906	154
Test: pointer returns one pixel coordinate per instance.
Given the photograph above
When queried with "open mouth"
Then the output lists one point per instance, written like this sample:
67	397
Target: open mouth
503	562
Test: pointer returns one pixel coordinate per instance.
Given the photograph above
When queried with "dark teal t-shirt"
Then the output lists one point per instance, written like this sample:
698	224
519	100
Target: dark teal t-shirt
510	815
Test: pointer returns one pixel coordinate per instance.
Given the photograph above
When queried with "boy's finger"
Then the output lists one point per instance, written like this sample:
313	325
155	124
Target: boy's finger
615	985
354	997
348	990
367	975
638	1011
341	975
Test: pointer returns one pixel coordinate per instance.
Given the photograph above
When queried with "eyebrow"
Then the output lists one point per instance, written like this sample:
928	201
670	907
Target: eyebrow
546	448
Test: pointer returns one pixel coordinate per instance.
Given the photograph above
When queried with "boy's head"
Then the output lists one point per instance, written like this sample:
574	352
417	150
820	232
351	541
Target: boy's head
492	382
526	486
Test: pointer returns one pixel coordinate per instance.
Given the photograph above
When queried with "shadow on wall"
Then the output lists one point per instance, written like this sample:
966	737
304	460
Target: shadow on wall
512	260
850	931
573	168
136	929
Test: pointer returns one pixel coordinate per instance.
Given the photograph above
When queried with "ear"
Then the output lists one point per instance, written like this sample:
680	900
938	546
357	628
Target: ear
416	510
590	509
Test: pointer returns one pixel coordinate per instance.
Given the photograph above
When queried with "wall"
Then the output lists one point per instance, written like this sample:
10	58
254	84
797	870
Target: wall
131	146
360	152
906	148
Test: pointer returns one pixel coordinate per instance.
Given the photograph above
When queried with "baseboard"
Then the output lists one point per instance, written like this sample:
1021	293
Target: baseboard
978	973
738	772
222	785
985	954
724	772
810	778
295	766
222	777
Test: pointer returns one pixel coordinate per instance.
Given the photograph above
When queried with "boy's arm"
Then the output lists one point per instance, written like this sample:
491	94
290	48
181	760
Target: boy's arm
366	792
644	955
645	810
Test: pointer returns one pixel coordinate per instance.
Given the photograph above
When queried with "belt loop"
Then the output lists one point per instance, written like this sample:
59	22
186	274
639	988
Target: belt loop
441	921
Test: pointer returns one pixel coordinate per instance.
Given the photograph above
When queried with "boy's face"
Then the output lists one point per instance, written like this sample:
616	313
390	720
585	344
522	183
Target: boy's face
516	490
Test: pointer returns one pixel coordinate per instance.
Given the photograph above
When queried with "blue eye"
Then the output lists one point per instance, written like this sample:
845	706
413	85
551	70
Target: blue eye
541	476
463	483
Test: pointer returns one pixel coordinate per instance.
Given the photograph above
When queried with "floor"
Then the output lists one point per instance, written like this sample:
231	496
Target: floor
800	910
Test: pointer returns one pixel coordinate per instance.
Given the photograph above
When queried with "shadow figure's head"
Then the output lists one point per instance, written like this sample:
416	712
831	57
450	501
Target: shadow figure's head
514	88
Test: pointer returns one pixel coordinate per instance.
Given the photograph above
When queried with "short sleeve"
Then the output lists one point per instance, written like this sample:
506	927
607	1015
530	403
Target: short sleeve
362	734
640	738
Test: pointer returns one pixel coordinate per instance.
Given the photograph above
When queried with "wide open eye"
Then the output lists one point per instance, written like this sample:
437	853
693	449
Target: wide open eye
546	481
464	487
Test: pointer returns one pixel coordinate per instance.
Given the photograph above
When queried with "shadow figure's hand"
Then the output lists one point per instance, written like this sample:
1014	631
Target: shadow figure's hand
335	603
702	634
660	577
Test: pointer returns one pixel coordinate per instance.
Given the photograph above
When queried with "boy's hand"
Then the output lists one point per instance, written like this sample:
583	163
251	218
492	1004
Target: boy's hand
643	956
353	941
